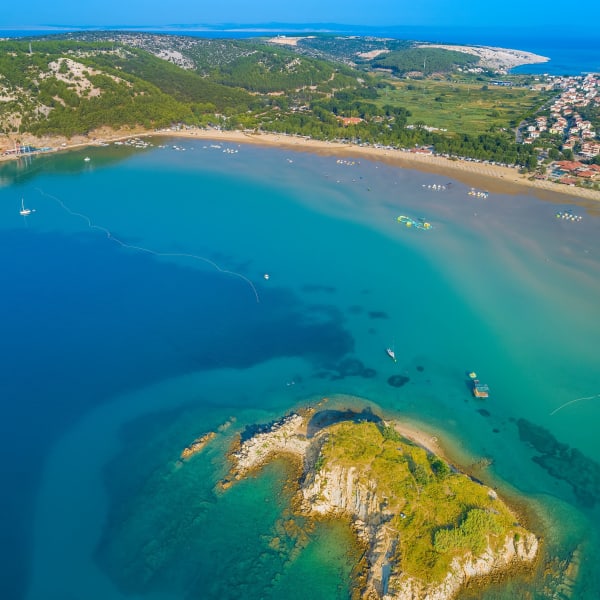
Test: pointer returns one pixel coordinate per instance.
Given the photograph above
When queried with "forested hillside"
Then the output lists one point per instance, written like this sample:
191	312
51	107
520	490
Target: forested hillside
78	83
352	50
254	65
184	85
424	60
66	87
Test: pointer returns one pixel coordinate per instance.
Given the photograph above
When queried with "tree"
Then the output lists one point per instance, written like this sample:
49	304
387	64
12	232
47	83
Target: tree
531	163
567	154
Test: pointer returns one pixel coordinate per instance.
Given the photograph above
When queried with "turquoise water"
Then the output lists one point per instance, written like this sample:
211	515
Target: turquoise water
138	317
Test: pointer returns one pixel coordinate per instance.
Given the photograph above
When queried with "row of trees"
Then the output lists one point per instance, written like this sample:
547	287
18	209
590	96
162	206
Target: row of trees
392	131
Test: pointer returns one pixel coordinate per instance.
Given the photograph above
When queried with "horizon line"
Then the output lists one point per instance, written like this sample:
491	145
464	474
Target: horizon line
259	24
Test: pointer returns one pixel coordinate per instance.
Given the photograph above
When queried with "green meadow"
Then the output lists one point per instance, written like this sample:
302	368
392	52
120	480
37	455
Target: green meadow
472	107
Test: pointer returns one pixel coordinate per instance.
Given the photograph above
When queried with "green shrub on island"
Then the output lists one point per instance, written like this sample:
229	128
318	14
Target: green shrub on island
438	513
472	534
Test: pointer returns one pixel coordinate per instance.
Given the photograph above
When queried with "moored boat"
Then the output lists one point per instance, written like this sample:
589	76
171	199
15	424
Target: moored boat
391	354
480	390
24	211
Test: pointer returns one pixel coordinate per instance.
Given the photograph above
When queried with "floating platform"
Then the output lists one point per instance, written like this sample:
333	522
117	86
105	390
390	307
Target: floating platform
480	390
415	223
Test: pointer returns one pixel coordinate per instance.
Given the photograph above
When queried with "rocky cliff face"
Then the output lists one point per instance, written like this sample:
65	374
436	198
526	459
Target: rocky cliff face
462	570
339	490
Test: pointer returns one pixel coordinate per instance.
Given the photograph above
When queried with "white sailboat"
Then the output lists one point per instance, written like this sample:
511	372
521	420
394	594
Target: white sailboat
24	211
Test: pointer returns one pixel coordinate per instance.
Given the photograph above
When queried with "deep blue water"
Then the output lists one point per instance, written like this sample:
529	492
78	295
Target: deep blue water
114	355
571	51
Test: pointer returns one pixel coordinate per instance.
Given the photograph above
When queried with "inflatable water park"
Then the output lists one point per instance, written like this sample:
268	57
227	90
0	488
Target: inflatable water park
415	223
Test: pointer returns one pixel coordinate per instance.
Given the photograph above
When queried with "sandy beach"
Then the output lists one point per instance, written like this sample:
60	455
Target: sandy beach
492	178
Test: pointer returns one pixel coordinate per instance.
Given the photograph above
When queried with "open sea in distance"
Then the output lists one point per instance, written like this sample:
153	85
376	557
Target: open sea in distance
113	358
571	51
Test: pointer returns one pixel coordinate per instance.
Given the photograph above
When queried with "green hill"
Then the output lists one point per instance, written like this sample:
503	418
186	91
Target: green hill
253	65
425	60
69	87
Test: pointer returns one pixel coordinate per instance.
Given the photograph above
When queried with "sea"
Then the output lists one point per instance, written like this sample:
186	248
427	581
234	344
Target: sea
156	294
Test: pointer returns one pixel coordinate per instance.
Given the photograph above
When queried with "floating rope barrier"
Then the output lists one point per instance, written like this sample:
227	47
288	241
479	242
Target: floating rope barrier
573	402
123	244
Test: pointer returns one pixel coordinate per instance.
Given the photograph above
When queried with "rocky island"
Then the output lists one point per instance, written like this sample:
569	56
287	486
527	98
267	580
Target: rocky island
427	528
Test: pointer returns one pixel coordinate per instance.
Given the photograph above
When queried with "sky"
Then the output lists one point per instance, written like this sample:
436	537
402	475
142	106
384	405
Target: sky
451	13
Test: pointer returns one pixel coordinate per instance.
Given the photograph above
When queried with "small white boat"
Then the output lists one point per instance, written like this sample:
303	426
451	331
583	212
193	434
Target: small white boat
391	354
24	211
87	159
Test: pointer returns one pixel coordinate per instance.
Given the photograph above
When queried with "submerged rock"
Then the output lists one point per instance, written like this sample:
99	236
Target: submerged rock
563	462
398	380
197	445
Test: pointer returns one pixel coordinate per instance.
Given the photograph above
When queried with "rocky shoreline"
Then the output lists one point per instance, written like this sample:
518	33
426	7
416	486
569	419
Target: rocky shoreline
336	488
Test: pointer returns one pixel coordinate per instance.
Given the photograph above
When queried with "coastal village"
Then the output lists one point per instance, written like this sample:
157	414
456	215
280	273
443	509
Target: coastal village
575	135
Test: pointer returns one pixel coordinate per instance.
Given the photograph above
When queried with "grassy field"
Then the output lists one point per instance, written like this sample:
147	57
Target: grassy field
463	107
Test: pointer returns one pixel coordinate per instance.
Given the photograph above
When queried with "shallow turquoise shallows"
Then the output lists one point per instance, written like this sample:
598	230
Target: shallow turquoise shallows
157	294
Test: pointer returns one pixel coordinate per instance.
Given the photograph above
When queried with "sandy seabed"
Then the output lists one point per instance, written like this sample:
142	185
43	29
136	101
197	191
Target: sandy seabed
492	178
